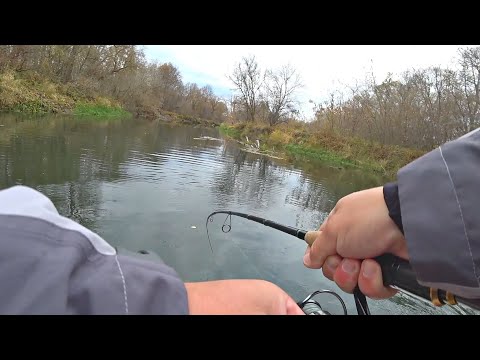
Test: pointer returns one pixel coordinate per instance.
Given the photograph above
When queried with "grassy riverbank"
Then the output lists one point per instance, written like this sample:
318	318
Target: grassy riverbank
297	140
174	118
100	110
33	94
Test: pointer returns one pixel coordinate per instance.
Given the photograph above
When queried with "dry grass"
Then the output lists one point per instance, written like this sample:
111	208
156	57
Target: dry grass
30	93
302	140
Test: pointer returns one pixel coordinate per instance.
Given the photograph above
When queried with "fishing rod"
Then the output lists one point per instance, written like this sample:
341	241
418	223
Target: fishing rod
397	273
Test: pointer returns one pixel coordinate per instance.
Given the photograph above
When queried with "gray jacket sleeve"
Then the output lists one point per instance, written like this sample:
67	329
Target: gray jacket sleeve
440	202
50	264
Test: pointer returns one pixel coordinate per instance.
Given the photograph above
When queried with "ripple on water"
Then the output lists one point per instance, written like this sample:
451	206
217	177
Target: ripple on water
142	185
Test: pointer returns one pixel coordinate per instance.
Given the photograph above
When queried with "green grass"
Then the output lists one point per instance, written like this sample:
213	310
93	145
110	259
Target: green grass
319	154
301	142
230	131
31	107
30	93
97	110
27	95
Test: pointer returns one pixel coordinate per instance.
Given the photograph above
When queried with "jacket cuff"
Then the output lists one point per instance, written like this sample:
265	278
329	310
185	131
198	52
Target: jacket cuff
390	194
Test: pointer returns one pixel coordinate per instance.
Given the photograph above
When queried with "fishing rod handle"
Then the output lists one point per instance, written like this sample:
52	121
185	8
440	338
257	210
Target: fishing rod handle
398	273
310	237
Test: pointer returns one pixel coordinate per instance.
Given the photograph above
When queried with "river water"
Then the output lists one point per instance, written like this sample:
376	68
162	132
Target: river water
149	185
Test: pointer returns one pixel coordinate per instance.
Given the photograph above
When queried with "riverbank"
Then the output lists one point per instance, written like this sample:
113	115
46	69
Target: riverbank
296	141
174	118
33	94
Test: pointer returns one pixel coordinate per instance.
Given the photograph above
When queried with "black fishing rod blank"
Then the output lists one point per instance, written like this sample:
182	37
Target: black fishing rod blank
397	273
284	228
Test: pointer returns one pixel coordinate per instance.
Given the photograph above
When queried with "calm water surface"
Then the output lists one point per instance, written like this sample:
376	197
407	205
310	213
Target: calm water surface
146	185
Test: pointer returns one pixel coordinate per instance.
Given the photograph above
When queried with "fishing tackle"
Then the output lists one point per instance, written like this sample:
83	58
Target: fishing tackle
312	307
396	272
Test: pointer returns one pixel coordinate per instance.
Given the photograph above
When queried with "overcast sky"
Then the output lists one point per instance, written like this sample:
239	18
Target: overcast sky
322	67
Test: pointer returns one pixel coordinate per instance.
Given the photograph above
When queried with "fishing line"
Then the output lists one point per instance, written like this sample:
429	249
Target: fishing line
226	229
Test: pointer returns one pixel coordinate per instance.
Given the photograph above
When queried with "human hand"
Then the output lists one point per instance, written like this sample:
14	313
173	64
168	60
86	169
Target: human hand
239	297
358	228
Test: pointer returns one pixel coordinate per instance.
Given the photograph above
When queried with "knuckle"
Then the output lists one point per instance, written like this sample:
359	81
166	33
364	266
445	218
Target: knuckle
341	202
327	273
328	227
317	249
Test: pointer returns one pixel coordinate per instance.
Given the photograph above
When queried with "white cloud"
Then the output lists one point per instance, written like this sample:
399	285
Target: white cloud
323	68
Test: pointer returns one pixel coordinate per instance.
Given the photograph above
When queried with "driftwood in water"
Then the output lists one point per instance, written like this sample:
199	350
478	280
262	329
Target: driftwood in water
207	138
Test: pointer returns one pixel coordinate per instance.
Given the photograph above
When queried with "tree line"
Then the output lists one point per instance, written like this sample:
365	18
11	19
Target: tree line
420	108
118	71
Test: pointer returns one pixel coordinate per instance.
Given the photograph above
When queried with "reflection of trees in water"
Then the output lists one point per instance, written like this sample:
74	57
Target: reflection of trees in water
77	201
313	188
56	157
68	159
71	158
313	198
320	186
310	195
246	178
55	151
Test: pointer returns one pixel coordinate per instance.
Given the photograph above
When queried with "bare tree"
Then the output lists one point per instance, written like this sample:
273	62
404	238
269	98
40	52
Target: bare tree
279	95
469	87
211	99
170	84
248	80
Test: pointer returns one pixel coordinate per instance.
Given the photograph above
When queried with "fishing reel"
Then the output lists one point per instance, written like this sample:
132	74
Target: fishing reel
312	307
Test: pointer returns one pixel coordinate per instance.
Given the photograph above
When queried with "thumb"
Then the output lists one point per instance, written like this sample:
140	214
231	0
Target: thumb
324	245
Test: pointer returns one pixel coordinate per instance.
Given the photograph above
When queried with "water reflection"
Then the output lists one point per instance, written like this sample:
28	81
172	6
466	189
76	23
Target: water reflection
143	185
